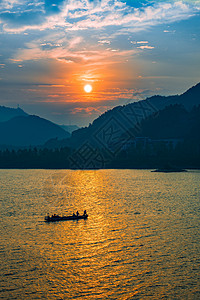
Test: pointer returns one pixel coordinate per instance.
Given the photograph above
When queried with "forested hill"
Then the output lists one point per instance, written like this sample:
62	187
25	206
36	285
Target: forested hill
123	118
173	122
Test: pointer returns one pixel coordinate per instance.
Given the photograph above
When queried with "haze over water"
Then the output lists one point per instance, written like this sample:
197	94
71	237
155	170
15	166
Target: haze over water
140	241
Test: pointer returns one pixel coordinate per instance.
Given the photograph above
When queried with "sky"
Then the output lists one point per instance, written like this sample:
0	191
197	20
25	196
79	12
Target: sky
127	50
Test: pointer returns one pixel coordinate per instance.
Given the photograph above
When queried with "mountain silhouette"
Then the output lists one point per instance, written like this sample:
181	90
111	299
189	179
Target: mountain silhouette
7	113
29	130
69	128
107	131
152	133
172	122
188	99
123	122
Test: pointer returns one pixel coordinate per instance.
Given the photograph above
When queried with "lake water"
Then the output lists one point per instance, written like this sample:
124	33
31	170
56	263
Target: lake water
140	241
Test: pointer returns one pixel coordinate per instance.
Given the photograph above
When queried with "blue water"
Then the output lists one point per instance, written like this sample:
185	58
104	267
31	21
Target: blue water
140	241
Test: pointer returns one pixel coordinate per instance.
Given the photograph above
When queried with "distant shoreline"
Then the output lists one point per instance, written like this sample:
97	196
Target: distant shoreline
169	170
153	170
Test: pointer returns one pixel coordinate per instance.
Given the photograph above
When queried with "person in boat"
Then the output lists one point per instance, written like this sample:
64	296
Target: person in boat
74	215
85	213
77	213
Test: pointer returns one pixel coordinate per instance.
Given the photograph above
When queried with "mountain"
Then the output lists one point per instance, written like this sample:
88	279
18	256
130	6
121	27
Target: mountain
191	97
7	113
109	131
188	99
172	122
123	122
69	128
152	133
169	140
29	130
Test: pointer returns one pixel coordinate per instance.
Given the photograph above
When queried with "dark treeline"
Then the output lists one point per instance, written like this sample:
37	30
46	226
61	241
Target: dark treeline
35	158
160	155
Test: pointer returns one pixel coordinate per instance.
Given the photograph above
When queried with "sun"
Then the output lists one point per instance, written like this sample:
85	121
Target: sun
87	88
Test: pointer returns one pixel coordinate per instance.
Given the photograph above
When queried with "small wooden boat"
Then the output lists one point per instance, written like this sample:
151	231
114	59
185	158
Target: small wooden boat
55	218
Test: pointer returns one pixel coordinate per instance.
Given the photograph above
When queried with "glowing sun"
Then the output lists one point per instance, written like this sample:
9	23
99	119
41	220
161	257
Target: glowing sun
87	88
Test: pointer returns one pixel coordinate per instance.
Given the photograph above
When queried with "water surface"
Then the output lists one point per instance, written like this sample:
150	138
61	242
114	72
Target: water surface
141	240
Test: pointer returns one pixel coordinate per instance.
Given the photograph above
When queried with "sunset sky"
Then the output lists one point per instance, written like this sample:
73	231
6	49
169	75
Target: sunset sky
126	50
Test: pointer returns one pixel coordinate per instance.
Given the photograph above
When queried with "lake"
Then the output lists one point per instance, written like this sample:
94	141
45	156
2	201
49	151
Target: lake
140	241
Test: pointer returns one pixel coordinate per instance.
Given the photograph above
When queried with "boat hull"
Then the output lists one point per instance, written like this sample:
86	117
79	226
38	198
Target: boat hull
64	218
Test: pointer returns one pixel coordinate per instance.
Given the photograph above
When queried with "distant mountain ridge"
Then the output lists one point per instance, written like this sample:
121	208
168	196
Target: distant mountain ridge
69	128
7	113
26	130
188	99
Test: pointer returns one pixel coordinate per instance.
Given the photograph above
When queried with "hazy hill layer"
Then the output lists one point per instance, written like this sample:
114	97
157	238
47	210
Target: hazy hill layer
69	128
29	130
7	113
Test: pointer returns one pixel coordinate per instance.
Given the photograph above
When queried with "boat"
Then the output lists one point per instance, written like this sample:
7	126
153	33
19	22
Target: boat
55	218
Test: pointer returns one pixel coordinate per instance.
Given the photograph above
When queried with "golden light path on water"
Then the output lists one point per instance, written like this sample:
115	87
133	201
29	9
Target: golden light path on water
140	240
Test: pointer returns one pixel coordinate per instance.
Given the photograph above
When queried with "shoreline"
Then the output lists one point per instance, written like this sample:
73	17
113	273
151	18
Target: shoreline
153	170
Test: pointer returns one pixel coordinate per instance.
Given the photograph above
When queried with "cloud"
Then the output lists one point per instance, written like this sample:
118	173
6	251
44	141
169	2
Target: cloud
146	47
83	15
9	4
103	42
65	29
142	42
72	50
169	31
86	110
